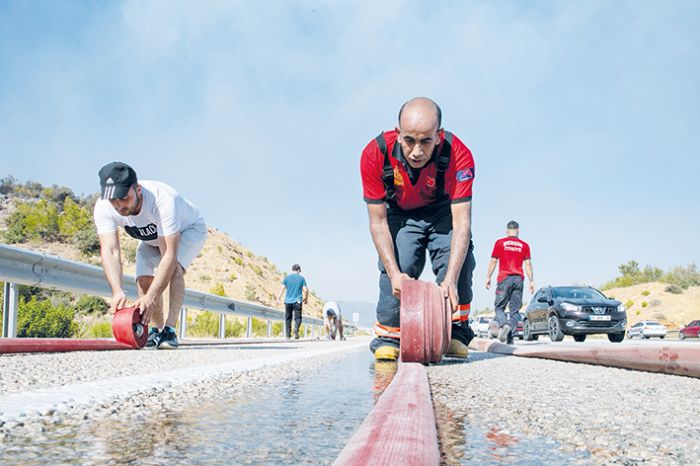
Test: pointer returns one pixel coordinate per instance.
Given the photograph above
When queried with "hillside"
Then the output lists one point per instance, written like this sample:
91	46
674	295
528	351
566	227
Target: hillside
244	275
673	310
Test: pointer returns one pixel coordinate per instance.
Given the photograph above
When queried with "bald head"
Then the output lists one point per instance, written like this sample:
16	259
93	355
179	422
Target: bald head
419	130
420	111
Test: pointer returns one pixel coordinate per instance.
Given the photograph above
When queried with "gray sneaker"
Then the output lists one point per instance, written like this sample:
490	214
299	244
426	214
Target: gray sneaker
503	333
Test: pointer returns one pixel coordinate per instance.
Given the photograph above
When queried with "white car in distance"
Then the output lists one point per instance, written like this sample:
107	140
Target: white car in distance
480	326
646	329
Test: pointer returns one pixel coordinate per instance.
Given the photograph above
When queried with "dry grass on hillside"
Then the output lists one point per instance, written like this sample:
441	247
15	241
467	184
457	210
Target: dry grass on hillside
651	301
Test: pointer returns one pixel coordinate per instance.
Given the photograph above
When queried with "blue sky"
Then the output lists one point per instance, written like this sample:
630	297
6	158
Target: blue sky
583	118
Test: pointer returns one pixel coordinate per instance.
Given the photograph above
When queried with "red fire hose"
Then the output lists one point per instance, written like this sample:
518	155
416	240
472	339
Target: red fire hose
426	322
128	332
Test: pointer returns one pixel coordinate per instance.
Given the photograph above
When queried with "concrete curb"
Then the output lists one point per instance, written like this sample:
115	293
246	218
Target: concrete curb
666	359
400	429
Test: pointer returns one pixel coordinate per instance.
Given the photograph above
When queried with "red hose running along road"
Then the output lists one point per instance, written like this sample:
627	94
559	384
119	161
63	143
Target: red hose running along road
126	327
400	429
668	359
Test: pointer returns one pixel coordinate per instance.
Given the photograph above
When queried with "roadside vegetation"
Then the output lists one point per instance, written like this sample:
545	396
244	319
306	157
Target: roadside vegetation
678	278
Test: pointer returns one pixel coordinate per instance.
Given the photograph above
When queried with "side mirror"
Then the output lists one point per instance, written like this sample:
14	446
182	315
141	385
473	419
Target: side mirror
543	299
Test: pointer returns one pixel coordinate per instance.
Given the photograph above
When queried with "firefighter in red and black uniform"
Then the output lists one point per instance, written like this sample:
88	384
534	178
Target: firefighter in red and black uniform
417	183
511	253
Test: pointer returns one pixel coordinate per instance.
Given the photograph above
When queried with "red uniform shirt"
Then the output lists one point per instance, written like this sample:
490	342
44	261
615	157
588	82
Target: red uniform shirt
510	252
458	177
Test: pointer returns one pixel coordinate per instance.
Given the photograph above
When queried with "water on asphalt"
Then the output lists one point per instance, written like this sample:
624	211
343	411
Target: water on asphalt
303	419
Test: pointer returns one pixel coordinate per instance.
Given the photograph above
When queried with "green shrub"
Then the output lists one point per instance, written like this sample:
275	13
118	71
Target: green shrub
233	277
259	327
674	289
204	277
249	254
645	304
97	330
629	303
219	249
88	242
40	319
235	328
218	289
73	219
645	293
258	271
238	260
206	324
40	220
277	328
683	276
91	304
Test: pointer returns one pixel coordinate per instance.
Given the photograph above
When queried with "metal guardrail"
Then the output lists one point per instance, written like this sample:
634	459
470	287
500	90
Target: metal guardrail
20	266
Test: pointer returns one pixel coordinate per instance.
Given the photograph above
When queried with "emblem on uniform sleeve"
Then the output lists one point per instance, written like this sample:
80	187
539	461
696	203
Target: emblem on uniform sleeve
465	175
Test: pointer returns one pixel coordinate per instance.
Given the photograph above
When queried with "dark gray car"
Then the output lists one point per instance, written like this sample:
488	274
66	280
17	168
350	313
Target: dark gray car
573	310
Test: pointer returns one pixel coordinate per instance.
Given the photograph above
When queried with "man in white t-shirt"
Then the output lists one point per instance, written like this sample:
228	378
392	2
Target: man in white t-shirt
333	320
171	232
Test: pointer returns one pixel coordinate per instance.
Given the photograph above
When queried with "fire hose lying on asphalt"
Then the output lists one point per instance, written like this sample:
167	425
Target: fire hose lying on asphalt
127	329
401	427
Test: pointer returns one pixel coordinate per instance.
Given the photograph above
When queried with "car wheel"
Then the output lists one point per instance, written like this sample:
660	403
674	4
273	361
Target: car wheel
580	338
527	332
520	337
646	337
554	329
681	336
662	336
616	337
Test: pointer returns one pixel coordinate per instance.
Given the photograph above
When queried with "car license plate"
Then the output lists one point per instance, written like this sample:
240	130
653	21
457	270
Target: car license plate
599	317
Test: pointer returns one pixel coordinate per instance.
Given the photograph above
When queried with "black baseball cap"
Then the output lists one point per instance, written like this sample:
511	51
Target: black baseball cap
512	225
296	268
115	180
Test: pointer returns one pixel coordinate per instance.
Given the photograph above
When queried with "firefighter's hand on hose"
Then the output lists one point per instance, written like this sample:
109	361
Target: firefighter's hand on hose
396	281
450	289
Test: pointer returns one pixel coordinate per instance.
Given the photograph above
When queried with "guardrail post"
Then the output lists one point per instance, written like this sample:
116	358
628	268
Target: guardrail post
222	326
269	328
182	324
249	327
9	310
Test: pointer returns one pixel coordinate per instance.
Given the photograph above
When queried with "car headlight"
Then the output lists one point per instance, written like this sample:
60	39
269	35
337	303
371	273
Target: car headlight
570	307
621	308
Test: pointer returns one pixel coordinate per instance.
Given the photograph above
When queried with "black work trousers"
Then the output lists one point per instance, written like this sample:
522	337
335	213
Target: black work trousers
289	309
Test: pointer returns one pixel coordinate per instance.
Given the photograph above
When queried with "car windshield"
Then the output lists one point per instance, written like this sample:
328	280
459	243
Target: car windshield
652	324
573	292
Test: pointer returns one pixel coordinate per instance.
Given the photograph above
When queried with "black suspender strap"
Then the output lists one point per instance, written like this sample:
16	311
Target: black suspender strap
442	162
387	171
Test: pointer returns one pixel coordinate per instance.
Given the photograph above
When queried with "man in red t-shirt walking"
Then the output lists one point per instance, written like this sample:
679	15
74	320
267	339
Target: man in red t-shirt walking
417	183
511	253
